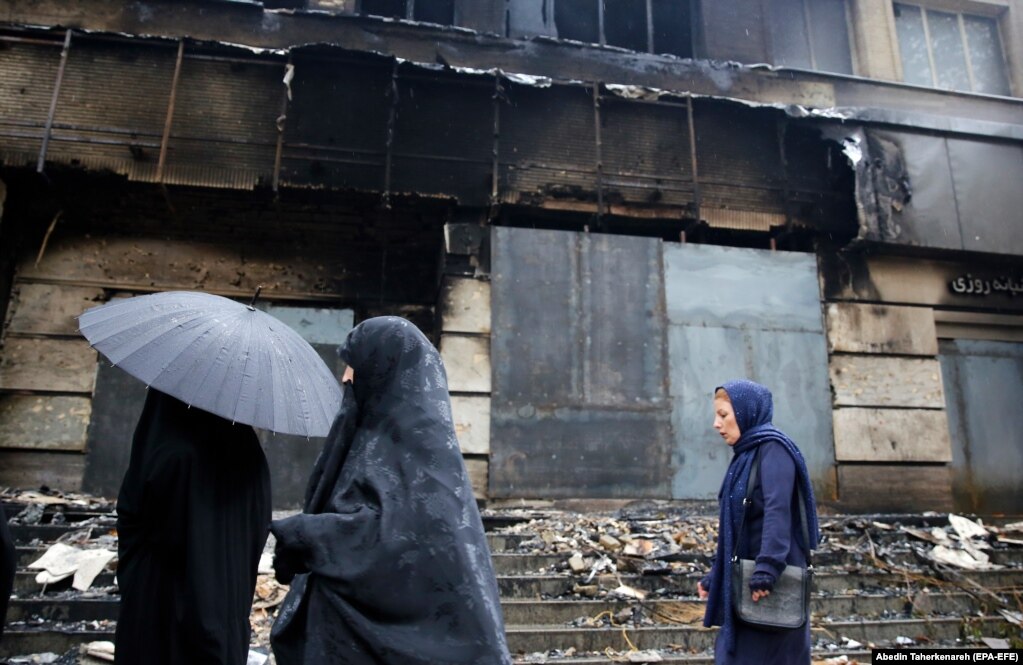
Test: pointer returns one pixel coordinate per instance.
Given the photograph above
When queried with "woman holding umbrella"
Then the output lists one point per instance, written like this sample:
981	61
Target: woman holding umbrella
194	506
192	517
389	561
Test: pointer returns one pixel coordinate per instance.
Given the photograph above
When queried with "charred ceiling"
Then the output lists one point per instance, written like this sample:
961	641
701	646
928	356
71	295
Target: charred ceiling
480	41
80	229
323	118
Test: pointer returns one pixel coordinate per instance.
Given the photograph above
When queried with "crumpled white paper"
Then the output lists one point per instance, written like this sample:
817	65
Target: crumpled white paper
62	561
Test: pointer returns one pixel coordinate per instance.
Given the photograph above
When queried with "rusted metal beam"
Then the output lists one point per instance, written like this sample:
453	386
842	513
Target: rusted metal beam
782	130
599	146
392	115
233	61
650	26
29	40
289	72
170	112
53	102
495	150
692	158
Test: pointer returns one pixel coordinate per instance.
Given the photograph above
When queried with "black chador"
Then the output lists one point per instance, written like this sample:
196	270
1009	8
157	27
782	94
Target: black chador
392	562
192	518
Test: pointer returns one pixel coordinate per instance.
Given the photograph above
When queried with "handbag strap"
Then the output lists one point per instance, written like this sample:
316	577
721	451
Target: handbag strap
746	500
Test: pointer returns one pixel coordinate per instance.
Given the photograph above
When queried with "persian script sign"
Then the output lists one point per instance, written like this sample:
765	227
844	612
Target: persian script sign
979	286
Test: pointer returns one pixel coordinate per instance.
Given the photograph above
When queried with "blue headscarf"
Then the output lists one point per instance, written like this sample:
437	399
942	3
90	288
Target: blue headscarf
754	409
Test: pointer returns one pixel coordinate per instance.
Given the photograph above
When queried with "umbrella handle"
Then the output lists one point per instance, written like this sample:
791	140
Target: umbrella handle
254	296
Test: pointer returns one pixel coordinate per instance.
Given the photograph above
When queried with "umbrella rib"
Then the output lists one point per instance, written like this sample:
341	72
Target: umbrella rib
228	334
107	316
140	339
322	402
289	380
202	357
141	352
248	321
102	314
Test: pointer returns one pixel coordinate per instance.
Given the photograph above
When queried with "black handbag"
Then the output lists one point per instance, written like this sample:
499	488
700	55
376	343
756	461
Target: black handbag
788	605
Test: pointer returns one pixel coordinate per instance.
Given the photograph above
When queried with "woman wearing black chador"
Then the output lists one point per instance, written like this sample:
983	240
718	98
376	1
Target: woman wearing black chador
389	558
192	518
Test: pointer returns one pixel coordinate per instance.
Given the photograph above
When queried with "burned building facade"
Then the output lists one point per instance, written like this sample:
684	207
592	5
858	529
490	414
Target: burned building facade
599	209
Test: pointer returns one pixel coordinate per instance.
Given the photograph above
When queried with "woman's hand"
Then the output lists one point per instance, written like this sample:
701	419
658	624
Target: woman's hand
760	584
701	592
287	564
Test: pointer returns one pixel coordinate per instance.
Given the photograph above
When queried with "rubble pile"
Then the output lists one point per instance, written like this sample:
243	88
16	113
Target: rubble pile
582	588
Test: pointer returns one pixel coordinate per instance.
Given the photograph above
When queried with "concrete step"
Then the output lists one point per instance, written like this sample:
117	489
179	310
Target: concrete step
668	658
25	583
555	586
70	608
825	581
529	639
513	563
60	639
517	563
29	534
867	606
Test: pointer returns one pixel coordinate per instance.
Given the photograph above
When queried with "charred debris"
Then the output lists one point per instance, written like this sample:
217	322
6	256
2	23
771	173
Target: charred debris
618	586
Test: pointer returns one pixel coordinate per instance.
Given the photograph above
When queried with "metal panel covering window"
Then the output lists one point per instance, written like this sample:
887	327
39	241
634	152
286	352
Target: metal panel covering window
951	50
579	406
810	34
983	391
744	313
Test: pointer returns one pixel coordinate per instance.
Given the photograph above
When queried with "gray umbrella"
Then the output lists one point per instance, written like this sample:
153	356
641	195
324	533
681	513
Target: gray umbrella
220	356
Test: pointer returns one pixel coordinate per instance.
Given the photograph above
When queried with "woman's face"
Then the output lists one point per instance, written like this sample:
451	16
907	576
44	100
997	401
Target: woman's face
724	419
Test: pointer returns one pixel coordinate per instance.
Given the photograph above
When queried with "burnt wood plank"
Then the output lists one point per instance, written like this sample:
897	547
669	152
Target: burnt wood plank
467	361
471	414
891	435
886	381
54	365
465	305
56	470
51	309
894	488
477	469
855	328
44	422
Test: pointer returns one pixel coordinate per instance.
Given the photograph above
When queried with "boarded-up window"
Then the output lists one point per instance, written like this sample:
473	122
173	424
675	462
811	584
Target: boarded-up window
950	50
810	34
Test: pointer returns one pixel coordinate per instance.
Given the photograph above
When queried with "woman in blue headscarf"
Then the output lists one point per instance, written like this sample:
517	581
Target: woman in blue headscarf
772	533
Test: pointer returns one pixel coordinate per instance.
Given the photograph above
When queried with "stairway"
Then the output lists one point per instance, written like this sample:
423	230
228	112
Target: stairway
556	616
